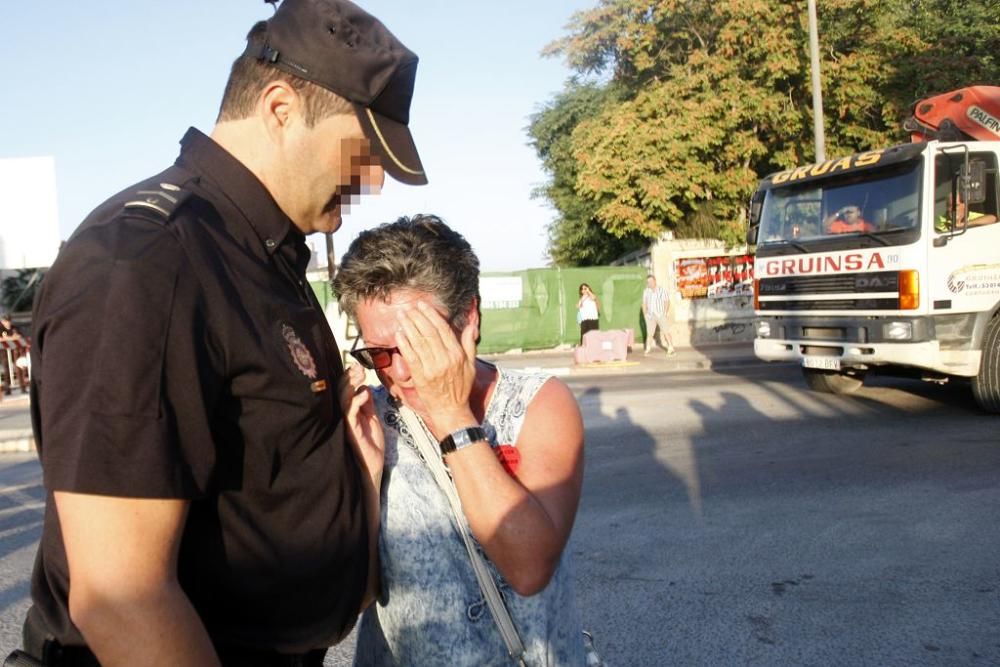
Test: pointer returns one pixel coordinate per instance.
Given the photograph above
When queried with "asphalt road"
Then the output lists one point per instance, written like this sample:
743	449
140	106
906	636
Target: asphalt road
734	518
738	519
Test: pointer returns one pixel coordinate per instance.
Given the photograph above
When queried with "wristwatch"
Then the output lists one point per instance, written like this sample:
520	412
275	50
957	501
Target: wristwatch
461	438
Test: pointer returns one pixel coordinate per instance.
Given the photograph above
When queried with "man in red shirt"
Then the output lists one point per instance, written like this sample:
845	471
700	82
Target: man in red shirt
848	219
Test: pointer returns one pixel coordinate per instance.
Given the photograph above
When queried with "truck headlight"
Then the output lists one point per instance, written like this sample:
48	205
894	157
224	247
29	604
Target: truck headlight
897	330
763	329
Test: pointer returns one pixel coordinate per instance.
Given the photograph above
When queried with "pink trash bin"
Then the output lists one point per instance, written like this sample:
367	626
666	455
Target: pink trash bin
603	346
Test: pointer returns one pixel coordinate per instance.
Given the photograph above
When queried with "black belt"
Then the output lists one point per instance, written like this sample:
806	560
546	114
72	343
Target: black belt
57	655
250	657
40	644
54	655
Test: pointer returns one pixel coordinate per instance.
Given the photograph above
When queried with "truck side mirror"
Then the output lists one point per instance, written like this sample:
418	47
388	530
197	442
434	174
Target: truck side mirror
974	182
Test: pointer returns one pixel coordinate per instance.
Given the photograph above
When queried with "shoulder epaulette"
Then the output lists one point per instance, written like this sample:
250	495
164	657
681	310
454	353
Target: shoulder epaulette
164	201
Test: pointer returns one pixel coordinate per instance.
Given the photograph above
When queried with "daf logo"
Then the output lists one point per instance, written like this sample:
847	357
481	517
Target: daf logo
875	283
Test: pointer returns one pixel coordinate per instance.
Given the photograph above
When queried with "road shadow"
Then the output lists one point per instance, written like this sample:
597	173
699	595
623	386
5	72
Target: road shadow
22	510
818	511
876	393
747	520
625	508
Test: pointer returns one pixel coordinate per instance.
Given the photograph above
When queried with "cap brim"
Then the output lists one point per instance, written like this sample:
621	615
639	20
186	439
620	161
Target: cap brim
393	143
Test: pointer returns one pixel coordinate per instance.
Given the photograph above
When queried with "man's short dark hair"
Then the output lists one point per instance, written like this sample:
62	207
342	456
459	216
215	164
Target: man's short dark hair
248	77
421	253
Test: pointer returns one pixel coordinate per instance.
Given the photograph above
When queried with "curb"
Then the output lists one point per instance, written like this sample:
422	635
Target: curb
16	441
634	367
15	424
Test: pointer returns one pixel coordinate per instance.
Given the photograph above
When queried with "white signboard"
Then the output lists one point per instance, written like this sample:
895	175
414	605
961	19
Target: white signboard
29	222
500	292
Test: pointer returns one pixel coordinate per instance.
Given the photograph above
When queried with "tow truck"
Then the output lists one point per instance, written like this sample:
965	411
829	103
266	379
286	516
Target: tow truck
886	260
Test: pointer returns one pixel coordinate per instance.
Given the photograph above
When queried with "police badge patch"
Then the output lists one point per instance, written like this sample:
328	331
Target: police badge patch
300	353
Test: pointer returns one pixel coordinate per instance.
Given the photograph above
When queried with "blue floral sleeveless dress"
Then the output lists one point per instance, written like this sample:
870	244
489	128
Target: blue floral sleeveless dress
431	610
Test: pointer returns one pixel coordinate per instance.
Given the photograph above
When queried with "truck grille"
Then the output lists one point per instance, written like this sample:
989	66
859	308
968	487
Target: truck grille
806	285
836	304
851	286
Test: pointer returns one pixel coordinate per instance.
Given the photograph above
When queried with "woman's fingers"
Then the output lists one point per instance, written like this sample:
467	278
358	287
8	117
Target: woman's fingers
429	320
406	341
358	406
427	330
429	337
349	383
441	364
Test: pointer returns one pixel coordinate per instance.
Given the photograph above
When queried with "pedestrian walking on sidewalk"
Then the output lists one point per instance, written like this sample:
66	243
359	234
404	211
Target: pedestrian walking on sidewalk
203	505
655	306
13	367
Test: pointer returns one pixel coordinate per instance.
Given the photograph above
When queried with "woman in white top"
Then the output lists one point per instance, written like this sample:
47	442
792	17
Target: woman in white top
512	442
587	310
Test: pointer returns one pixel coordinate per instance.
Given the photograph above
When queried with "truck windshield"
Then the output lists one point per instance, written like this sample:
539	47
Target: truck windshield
870	205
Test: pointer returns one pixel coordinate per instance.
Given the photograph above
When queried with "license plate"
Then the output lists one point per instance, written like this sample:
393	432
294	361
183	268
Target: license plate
824	363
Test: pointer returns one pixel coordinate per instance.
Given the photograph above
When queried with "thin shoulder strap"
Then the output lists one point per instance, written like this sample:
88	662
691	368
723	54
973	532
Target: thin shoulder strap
431	454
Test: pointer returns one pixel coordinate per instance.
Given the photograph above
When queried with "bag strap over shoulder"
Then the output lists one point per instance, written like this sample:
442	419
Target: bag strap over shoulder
432	457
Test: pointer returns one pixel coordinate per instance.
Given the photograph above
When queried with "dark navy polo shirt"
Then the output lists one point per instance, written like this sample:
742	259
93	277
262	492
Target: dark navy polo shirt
185	356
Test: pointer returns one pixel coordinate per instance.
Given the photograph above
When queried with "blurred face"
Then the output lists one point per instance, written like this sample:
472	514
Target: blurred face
378	323
330	165
851	214
650	282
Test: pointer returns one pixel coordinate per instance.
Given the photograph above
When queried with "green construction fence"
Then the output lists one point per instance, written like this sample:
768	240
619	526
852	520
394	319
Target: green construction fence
535	309
545	316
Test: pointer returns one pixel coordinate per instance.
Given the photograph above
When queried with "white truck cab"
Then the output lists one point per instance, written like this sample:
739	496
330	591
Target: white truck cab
887	259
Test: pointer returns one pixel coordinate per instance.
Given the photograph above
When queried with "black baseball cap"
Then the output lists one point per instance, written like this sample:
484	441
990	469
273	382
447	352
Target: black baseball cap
341	47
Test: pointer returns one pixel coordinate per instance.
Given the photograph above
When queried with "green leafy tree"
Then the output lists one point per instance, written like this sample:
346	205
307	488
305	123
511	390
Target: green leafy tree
711	95
576	237
955	43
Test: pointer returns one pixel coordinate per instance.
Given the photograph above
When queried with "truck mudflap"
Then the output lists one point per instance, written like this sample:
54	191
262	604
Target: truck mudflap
842	356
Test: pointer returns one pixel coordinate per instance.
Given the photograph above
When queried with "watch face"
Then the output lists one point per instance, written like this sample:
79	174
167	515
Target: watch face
462	438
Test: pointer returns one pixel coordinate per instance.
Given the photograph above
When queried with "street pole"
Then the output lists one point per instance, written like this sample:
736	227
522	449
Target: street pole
817	92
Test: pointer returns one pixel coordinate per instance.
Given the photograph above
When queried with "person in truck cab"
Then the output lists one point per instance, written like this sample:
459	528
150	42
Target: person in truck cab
846	220
942	223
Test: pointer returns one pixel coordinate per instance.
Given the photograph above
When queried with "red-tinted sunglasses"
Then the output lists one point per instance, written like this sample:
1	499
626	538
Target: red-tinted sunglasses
373	358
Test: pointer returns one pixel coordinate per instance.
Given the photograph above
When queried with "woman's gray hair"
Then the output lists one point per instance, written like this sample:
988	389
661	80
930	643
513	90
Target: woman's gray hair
421	253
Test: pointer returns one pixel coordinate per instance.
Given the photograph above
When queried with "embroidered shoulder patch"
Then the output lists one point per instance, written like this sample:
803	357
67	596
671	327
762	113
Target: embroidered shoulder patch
300	353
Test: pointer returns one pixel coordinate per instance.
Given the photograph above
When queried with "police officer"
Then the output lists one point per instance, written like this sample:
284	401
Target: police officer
203	507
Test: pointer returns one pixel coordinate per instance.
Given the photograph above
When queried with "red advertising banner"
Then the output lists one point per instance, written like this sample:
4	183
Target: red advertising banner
692	277
715	277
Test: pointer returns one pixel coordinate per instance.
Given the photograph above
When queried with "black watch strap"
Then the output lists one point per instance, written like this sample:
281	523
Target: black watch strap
461	438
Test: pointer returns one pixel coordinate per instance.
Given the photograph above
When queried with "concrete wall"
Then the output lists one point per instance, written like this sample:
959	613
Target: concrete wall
698	320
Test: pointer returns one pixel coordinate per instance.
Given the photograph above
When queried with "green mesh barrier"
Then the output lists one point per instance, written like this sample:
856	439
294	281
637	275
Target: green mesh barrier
545	317
535	309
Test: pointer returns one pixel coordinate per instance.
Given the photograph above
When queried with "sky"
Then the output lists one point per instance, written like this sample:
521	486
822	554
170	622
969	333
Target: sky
108	88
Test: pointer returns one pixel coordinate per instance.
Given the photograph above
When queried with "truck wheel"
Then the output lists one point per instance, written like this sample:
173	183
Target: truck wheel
832	382
986	385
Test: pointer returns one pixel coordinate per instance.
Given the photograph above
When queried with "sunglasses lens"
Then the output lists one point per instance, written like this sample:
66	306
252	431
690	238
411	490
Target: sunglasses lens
362	358
381	358
374	358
